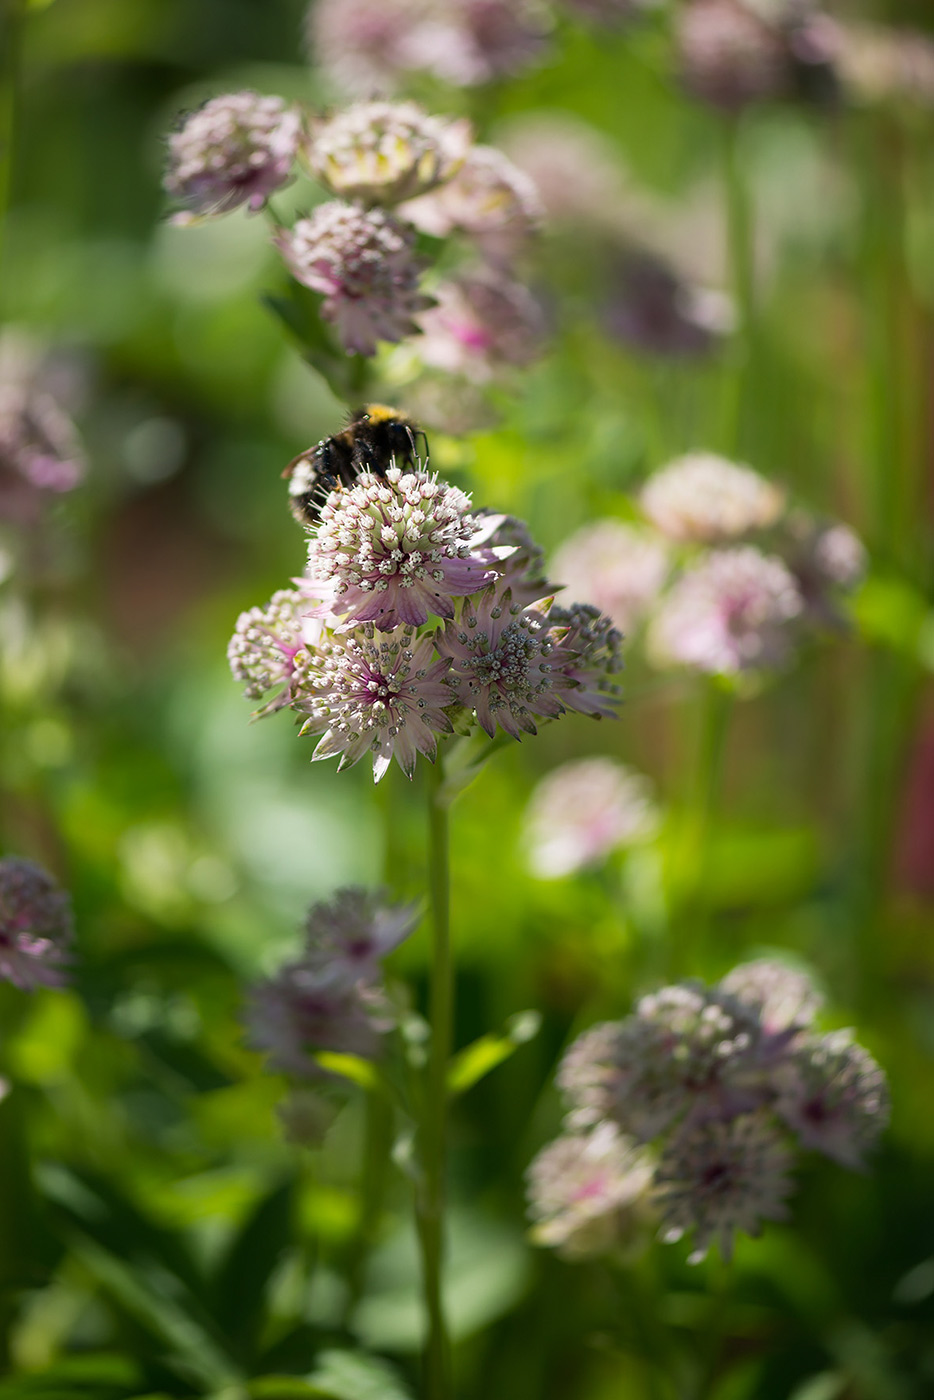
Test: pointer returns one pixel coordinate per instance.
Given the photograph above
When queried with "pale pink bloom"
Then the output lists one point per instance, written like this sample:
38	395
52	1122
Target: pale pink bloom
575	169
834	1096
828	562
618	567
362	261
876	64
589	1192
706	498
370	48
40	455
385	152
394	549
716	1178
489	199
354	930
784	997
584	810
36	926
367	692
307	1008
236	149
729	55
733	611
270	644
482	323
687	1052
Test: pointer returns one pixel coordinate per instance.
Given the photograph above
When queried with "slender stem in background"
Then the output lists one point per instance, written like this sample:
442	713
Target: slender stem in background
691	944
430	1197
11	15
741	261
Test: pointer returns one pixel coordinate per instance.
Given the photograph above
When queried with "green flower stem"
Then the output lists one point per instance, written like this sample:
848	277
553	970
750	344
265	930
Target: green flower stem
430	1196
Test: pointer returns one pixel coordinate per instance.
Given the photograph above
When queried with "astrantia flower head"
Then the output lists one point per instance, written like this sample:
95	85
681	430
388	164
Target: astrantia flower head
618	567
588	656
834	1096
395	549
719	1177
687	1052
731	612
40	455
501	657
354	930
306	1008
35	926
482	323
360	46
236	149
729	55
379	693
876	64
828	561
582	811
489	198
705	498
269	644
784	997
385	152
363	263
589	1191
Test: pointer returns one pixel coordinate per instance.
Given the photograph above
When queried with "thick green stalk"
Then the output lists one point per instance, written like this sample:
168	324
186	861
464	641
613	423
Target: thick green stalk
430	1199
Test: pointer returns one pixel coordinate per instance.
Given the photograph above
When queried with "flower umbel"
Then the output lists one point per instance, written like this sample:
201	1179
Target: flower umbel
268	646
35	926
582	811
618	567
716	1178
363	263
385	152
369	692
732	611
834	1096
707	498
394	549
354	930
236	149
589	1191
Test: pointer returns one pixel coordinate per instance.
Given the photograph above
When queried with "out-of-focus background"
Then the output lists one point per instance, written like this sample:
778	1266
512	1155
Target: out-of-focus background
167	1239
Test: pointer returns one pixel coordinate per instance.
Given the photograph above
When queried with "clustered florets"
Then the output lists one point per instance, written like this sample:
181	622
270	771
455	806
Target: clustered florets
390	553
35	926
393	170
716	1084
331	997
728	579
236	149
40	455
584	810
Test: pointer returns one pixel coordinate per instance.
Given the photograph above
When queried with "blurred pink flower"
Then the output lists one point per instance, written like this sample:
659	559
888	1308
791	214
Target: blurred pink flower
363	263
489	198
40	455
834	1096
36	926
482	322
236	149
706	498
589	1192
618	567
733	611
385	152
269	645
582	811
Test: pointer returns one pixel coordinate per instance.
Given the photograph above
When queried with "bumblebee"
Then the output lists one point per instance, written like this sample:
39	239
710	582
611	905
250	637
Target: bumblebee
374	439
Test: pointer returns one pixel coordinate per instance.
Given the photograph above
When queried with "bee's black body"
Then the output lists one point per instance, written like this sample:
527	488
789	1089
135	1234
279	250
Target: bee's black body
375	438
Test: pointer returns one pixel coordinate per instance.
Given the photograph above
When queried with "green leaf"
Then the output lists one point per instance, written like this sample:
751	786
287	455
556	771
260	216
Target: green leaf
891	612
286	1388
350	1375
351	1067
299	311
251	1258
476	1061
